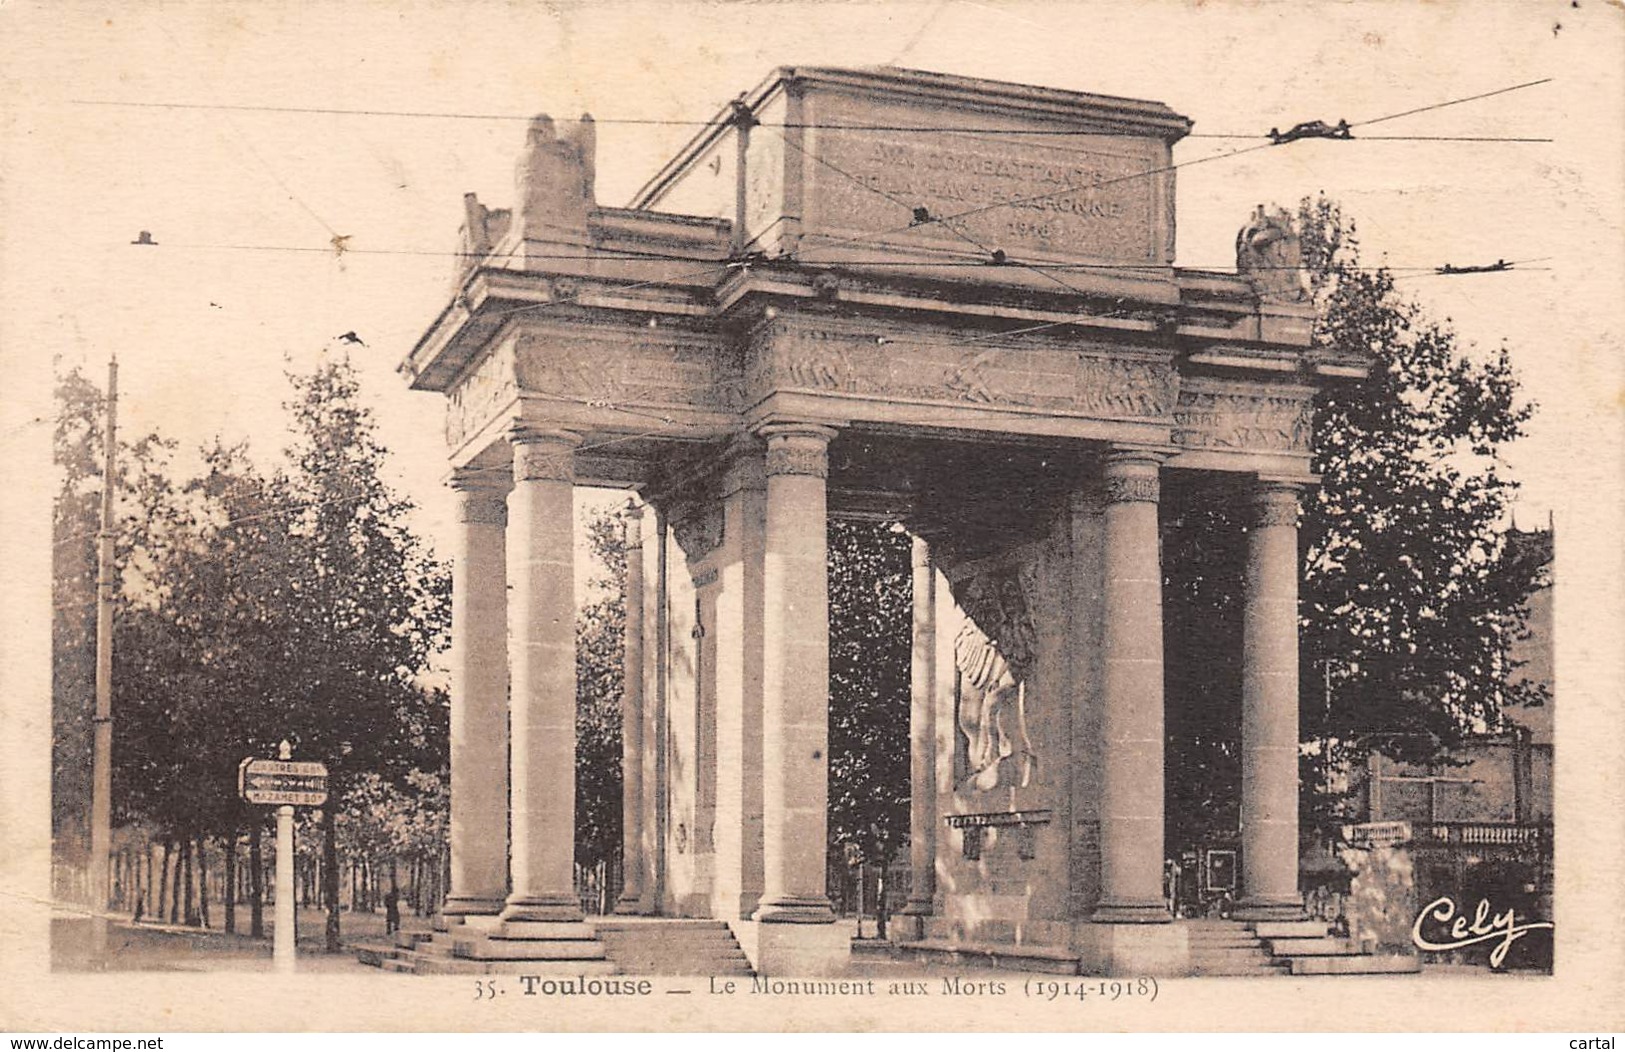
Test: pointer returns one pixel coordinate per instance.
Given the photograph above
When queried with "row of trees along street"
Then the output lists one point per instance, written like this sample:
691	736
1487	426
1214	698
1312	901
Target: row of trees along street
260	603
255	603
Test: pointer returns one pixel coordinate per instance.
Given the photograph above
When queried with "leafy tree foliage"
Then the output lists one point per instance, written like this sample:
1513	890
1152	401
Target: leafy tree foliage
1410	599
871	617
1409	603
261	605
600	682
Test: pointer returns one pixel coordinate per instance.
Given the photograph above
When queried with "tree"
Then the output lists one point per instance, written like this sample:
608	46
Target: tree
366	605
1409	601
871	618
600	682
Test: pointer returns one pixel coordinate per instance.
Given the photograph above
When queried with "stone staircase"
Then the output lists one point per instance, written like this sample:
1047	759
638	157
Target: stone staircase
615	945
1308	948
671	946
482	946
1225	947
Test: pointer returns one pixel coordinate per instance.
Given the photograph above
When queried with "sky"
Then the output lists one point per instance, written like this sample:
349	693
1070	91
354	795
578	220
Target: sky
243	203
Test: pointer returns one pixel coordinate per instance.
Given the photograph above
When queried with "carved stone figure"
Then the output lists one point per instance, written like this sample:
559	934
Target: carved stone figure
993	699
554	180
1269	253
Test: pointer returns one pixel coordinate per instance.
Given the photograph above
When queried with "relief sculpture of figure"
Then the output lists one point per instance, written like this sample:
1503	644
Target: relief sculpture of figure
1268	251
554	180
992	711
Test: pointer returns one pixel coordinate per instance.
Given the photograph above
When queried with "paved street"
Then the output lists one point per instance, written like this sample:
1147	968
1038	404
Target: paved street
155	947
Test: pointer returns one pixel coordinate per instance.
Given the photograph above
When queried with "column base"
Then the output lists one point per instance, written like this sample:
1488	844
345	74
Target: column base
917	908
1271	909
1132	913
629	905
472	905
812	909
542	908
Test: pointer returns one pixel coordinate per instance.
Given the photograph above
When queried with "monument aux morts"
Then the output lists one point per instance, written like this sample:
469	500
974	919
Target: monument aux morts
943	301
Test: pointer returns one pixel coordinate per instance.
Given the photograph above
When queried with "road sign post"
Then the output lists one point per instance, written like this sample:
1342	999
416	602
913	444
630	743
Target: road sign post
287	784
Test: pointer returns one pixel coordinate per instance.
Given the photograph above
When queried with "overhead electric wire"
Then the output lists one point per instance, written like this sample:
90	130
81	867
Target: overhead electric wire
793	125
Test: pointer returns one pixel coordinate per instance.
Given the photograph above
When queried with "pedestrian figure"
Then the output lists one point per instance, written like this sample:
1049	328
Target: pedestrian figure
392	912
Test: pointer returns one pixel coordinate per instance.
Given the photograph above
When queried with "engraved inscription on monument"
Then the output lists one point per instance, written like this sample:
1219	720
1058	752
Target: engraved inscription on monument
1078	200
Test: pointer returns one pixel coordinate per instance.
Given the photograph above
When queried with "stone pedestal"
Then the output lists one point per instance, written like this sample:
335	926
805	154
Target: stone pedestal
1132	748
1269	710
479	697
633	861
1133	950
542	564
795	681
794	950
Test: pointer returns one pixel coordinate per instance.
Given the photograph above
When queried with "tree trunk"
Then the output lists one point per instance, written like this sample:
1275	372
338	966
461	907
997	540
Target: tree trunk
171	883
231	883
203	878
330	876
256	878
189	912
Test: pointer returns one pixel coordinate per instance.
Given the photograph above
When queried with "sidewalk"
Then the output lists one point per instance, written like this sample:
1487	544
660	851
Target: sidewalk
148	947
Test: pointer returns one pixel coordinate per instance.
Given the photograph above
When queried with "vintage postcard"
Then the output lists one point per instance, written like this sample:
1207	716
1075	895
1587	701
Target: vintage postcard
812	516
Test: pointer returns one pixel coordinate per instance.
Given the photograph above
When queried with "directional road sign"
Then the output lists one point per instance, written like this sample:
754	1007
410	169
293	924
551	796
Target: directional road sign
282	782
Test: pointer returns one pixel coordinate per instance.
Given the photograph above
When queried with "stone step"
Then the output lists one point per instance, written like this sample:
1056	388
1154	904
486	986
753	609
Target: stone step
409	940
466	966
1326	946
1240	956
1224	939
552	931
1304	929
662	924
1231	971
1362	964
491	949
1047	960
402	966
374	953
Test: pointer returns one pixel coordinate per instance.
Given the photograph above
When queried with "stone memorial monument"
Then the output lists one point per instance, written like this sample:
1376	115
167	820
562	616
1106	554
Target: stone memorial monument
943	301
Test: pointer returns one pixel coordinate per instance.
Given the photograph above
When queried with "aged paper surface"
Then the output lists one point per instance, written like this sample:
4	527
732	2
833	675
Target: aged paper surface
249	139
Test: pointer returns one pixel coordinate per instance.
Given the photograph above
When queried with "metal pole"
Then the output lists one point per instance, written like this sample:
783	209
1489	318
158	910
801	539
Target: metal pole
101	792
283	935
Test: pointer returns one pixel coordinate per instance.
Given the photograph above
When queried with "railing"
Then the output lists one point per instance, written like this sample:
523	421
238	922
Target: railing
1483	834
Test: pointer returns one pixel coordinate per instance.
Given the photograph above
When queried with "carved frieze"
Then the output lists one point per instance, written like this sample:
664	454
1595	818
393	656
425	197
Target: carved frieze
485	391
640	367
1084	382
1228	419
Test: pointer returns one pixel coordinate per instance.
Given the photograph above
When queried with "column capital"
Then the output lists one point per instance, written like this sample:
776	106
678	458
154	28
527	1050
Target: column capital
1129	475
482	495
744	465
797	448
543	454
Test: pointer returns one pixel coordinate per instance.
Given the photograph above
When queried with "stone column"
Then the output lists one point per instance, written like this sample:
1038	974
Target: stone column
479	696
922	735
795	703
544	677
1131	797
1269	709
633	861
